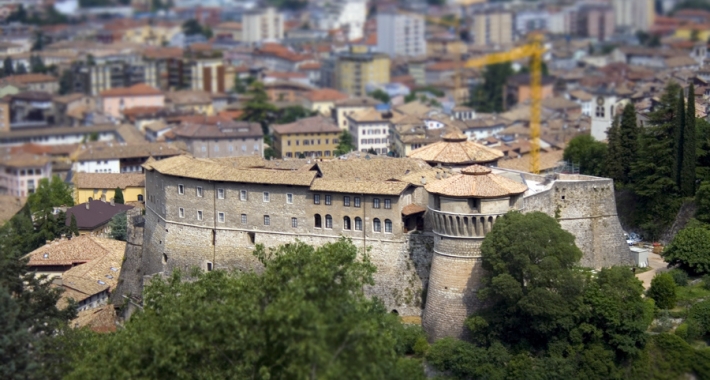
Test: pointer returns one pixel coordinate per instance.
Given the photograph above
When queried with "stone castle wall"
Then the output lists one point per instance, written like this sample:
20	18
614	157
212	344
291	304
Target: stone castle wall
585	207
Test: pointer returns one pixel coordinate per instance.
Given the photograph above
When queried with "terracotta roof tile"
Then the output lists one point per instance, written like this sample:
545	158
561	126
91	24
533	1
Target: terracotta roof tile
315	124
108	180
476	182
325	95
456	150
78	250
140	89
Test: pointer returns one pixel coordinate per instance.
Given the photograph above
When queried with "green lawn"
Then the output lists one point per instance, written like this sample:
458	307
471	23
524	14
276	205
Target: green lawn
692	293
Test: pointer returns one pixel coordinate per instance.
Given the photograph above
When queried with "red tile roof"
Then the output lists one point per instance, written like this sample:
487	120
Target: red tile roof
140	89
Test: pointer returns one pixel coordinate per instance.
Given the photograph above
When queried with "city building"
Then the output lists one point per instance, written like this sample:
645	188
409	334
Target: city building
400	34
262	25
346	107
93	217
230	30
347	15
360	67
527	21
121	158
59	135
221	138
102	186
492	27
116	100
33	82
315	136
370	129
192	101
31	109
323	100
61	255
20	173
596	21
634	15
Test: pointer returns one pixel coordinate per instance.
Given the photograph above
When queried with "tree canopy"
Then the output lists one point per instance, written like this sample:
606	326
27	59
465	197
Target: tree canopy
345	144
588	153
488	97
305	316
690	249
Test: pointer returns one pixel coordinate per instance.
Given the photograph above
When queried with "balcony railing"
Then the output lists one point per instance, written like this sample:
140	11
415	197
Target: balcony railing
472	226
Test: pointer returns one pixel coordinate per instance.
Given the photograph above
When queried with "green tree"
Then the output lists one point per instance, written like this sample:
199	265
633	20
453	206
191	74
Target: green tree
381	96
293	113
695	35
73	227
21	69
15	359
488	97
66	82
118	196
345	144
613	162
258	108
588	153
702	201
50	194
19	15
702	137
627	144
652	173
305	316
8	67
679	143
663	291
38	43
192	27
119	226
690	249
37	65
372	152
689	146
239	86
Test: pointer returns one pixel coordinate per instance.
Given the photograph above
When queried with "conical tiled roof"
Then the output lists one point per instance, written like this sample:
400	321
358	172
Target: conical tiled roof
476	182
455	149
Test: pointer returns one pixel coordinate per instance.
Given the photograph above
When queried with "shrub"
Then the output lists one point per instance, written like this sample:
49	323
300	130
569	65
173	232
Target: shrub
700	314
682	331
706	281
662	291
679	276
690	249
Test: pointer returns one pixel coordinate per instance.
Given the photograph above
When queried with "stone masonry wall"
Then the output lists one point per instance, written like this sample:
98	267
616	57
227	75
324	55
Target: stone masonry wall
587	209
130	281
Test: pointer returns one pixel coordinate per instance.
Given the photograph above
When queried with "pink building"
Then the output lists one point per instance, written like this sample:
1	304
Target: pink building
115	100
20	173
596	21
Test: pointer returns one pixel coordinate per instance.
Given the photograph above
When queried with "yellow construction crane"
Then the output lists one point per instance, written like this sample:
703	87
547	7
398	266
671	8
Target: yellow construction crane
534	51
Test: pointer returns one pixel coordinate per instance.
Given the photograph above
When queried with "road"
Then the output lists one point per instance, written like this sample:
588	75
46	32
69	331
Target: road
656	263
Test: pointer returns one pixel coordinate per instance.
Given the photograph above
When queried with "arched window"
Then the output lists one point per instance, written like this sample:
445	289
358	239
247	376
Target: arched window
376	225
328	221
317	221
140	197
358	224
388	226
346	223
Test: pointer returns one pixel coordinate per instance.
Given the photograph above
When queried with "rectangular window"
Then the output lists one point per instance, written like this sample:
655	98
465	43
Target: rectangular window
376	203
181	212
199	214
358	224
328	200
199	191
267	220
388	203
242	195
244	218
316	199
294	222
289	198
209	266
220	217
346	201
357	201
266	196
220	193
181	189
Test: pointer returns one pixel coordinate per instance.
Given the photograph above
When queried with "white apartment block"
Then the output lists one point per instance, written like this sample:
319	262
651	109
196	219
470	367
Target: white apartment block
349	14
400	34
262	25
634	14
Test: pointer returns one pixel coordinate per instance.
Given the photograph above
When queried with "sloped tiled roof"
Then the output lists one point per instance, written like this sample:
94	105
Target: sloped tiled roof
140	89
108	180
325	95
455	149
78	250
476	182
129	151
315	124
98	213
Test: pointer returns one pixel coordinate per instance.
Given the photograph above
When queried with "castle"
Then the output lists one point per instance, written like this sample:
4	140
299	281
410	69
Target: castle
421	219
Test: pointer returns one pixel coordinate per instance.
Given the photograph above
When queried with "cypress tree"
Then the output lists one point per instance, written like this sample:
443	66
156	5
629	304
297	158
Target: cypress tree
679	138
628	141
118	196
613	164
73	228
687	175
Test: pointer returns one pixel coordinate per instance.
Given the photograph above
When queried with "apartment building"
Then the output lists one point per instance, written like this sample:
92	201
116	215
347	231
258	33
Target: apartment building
360	67
262	25
310	137
221	139
492	27
400	34
20	173
634	14
595	21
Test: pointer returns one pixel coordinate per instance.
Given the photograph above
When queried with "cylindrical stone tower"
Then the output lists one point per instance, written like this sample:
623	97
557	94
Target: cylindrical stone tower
463	208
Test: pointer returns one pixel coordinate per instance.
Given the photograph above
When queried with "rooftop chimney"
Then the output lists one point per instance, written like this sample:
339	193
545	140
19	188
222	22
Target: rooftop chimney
112	203
423	180
87	205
